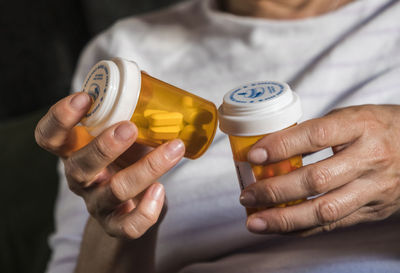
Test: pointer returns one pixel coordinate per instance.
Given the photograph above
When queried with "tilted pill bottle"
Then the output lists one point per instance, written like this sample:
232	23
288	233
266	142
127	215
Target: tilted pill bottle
250	112
162	112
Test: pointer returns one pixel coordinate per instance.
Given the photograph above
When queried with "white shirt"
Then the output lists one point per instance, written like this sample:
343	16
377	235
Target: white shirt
349	56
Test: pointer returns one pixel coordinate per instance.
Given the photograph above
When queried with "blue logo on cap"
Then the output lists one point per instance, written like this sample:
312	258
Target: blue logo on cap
98	77
94	91
252	93
257	92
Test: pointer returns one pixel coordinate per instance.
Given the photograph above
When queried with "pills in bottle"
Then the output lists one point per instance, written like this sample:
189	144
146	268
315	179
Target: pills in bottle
162	112
250	112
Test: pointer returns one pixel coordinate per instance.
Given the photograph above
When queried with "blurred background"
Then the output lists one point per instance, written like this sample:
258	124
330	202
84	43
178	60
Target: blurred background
40	41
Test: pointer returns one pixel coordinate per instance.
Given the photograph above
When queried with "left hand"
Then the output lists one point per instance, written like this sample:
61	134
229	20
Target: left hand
359	183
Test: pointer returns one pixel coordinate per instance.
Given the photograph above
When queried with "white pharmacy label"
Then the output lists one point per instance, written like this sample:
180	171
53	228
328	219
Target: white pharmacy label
245	174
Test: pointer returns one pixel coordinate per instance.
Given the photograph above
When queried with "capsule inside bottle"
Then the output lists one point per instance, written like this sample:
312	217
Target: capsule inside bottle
165	112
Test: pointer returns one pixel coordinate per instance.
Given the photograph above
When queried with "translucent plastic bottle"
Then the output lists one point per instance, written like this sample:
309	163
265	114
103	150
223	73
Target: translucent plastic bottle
249	113
120	91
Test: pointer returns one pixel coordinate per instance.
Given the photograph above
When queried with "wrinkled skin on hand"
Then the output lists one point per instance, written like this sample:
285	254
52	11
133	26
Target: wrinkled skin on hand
359	183
116	177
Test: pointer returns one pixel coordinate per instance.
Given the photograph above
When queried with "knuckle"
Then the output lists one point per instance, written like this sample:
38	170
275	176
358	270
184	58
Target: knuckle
317	180
380	151
327	212
387	187
284	146
154	165
74	171
101	149
284	223
370	119
78	185
41	138
44	139
381	154
119	188
392	186
56	113
271	193
318	136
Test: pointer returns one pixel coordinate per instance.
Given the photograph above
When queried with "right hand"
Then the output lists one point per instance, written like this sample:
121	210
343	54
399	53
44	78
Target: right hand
116	178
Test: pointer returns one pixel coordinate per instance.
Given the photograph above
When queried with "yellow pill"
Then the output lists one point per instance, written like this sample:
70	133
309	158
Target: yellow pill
189	132
164	132
148	112
197	116
166	119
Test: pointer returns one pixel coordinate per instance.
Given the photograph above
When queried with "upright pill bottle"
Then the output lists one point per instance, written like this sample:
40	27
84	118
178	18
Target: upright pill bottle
121	91
250	112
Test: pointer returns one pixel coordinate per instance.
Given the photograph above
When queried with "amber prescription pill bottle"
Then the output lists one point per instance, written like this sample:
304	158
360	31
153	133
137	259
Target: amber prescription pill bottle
121	91
252	111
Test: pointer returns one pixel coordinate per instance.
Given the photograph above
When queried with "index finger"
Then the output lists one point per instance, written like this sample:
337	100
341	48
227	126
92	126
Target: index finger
54	129
337	128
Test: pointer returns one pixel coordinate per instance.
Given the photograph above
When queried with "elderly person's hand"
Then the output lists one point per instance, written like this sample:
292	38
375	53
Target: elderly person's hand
359	183
120	189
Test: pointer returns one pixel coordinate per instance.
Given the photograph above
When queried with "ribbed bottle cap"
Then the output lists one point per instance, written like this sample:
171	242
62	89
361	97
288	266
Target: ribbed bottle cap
259	108
114	87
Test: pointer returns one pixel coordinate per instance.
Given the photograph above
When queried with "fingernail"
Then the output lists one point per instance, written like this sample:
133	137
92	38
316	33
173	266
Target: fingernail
157	192
174	149
256	225
247	199
124	132
257	156
80	101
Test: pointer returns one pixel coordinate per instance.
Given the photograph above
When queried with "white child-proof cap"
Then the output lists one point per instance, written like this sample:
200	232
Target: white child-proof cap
259	108
114	87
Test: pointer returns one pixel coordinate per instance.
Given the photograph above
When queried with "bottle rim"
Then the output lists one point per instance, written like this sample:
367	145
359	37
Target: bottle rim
259	108
114	86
